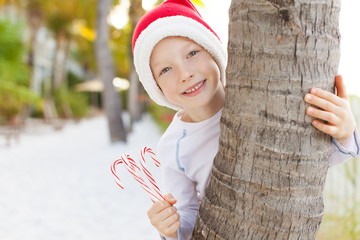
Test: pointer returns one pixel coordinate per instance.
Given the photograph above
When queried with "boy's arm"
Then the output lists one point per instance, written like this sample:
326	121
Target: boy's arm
341	153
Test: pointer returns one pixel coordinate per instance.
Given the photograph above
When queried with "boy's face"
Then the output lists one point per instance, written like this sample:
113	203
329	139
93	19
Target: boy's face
186	73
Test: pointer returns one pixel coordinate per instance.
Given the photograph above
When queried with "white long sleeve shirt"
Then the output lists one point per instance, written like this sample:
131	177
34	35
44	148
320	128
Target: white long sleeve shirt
186	152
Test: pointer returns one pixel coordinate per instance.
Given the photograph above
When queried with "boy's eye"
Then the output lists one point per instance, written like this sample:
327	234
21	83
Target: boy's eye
164	70
192	53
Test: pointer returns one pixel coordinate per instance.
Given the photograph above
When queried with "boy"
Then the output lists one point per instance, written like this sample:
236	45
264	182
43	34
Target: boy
181	64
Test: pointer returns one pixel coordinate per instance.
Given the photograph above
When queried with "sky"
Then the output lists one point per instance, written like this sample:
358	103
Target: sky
216	14
350	45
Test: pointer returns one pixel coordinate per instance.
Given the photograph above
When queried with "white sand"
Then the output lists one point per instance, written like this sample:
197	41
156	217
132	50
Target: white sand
58	184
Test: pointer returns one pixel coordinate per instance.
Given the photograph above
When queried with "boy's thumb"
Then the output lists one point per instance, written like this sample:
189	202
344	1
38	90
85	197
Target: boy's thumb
170	198
340	87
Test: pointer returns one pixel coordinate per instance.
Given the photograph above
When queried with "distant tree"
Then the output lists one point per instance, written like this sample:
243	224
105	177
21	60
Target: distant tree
14	74
111	100
60	16
35	20
135	107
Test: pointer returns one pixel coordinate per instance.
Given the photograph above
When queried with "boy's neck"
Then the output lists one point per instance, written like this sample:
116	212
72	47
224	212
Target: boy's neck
199	116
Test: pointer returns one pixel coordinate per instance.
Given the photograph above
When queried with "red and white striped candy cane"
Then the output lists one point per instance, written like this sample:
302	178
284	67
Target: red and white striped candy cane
135	171
129	164
132	167
146	171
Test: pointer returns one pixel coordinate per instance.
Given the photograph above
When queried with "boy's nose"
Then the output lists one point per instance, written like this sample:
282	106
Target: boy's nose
187	74
187	78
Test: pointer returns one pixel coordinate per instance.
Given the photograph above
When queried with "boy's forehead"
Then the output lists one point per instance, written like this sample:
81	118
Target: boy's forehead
177	40
168	44
174	42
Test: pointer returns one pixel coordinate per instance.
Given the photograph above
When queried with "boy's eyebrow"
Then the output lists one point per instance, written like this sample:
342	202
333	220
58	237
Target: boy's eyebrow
190	44
155	63
186	46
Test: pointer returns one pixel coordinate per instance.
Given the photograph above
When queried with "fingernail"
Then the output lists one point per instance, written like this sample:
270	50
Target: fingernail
313	90
308	97
315	123
310	110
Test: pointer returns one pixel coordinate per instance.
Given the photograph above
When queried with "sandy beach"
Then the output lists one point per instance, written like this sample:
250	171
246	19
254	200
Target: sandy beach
58	184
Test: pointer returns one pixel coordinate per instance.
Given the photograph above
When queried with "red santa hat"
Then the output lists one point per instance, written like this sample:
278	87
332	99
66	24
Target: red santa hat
172	18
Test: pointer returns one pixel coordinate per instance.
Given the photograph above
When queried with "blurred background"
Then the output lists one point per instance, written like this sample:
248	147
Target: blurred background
59	134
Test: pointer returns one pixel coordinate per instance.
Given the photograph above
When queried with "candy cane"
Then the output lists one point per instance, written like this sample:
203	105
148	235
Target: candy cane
135	171
132	167
146	171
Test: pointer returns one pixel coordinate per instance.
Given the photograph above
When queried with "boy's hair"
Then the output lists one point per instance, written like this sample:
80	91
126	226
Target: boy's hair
172	18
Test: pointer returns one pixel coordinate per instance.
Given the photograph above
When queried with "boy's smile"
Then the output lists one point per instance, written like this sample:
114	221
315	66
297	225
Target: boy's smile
195	89
188	76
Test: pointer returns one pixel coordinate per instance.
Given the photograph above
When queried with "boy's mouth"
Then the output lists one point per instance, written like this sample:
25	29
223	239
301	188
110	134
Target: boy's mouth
195	87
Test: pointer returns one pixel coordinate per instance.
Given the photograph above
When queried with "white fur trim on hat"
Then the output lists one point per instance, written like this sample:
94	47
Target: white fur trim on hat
173	26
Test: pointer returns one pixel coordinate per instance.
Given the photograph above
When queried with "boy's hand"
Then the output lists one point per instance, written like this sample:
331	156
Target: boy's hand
333	109
164	217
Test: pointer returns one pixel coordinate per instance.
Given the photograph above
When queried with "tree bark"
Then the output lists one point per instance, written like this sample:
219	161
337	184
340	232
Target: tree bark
106	70
135	107
268	176
34	17
60	59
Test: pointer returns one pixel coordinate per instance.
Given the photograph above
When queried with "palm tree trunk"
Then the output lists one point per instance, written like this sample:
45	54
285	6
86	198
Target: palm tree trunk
135	106
59	69
111	99
60	59
268	176
34	19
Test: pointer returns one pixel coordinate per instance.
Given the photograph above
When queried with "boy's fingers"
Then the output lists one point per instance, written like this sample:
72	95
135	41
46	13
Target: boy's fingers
169	222
323	115
328	129
170	219
164	217
340	87
175	226
325	95
170	198
171	225
157	207
321	103
340	92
